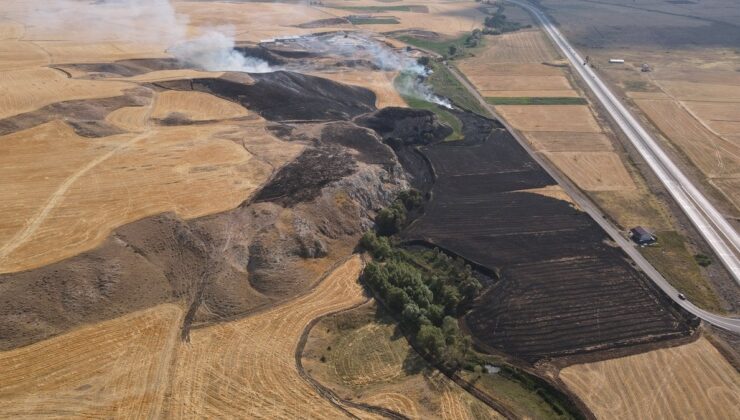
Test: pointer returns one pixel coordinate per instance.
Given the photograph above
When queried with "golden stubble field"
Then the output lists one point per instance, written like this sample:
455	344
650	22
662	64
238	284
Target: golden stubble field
137	367
692	98
63	193
689	381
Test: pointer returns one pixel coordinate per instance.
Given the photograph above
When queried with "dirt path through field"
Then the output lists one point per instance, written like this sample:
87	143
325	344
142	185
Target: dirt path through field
253	374
58	195
35	222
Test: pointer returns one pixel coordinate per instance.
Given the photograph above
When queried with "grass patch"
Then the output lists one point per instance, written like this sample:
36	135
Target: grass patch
374	9
528	100
372	21
446	84
638	86
418	103
672	259
443	115
440	47
524	401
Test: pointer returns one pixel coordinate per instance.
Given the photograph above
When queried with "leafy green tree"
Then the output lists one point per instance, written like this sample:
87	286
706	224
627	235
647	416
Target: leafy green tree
397	299
452	50
411	198
431	340
379	247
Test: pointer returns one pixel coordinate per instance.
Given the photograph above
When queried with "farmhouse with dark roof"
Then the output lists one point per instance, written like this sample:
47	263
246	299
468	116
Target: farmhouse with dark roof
642	236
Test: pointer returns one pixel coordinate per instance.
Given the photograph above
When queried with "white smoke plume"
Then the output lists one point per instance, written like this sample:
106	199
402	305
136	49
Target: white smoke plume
152	22
357	45
214	51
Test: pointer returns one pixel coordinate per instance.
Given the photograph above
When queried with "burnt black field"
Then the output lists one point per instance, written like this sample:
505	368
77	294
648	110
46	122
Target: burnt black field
563	289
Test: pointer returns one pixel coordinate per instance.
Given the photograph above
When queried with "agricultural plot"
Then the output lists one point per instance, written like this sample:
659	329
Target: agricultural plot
563	289
689	381
566	118
254	372
116	368
364	358
140	174
447	18
593	171
195	106
712	154
381	83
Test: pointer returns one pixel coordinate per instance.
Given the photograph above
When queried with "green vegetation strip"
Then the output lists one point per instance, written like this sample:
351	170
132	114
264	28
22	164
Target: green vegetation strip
374	9
525	100
440	47
418	103
427	291
671	257
444	83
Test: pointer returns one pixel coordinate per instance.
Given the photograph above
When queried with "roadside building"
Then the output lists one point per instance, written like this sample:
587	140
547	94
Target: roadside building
642	236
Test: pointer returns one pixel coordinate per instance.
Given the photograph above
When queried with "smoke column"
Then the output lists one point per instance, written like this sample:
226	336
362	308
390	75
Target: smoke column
411	81
151	22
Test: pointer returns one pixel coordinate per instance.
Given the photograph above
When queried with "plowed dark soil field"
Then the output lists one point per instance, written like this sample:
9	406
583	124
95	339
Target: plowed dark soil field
564	289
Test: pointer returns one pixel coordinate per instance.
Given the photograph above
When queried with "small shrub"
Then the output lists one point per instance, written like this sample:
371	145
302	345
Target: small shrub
703	260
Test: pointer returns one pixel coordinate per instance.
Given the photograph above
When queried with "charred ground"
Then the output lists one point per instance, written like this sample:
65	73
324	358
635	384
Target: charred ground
563	289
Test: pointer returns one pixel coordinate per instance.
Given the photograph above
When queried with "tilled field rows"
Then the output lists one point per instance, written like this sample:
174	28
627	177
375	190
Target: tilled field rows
564	290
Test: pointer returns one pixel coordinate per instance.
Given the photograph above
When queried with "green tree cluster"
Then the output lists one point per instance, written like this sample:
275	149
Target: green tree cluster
391	219
426	292
498	24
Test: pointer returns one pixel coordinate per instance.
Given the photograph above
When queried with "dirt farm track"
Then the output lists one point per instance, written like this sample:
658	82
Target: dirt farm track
147	372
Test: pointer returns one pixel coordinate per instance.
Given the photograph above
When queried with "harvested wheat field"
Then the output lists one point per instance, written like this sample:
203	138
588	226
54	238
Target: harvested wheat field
690	91
593	171
446	18
116	368
713	155
688	381
84	190
380	82
635	207
722	117
570	118
18	54
254	372
521	47
561	141
730	187
195	106
29	90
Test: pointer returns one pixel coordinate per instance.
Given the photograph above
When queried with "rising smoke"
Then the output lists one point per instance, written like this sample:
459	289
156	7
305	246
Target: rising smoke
413	76
153	22
214	51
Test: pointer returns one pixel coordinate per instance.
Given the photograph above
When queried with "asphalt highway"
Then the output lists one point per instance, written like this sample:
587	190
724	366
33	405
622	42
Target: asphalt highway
715	229
587	205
